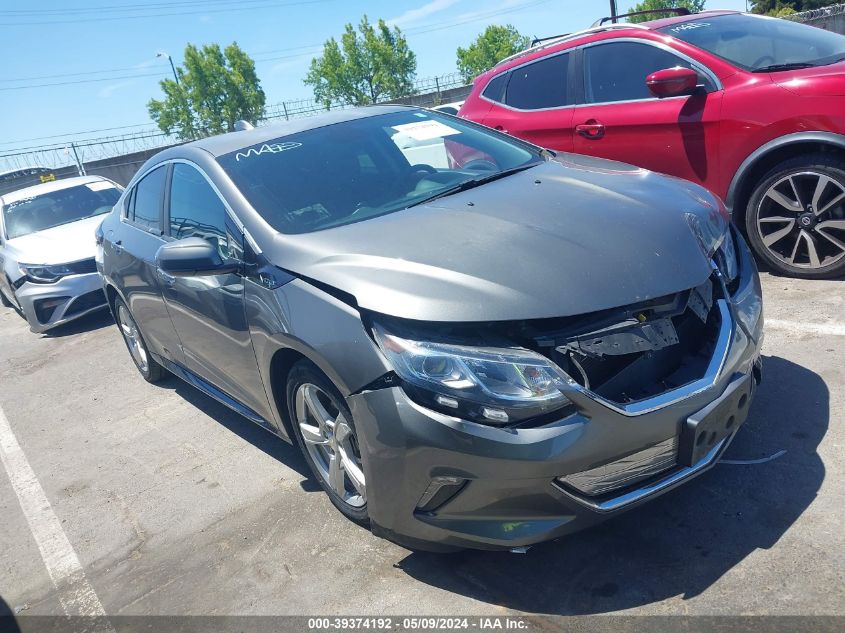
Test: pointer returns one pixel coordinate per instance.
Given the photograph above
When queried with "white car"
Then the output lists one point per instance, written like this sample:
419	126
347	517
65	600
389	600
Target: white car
47	249
449	108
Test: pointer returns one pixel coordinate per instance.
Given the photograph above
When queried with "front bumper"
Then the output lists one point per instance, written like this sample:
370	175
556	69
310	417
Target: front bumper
509	484
46	306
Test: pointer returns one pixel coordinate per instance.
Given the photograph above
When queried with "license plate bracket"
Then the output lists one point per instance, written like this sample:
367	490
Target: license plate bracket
701	431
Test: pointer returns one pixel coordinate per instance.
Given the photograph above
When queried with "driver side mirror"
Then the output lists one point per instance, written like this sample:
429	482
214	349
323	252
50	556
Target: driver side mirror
193	257
672	82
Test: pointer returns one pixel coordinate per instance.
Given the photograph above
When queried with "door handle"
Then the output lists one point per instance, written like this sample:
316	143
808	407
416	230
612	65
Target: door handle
499	128
591	129
118	246
167	280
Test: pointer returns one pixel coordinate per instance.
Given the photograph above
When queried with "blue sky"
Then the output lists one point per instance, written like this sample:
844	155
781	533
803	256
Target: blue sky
65	41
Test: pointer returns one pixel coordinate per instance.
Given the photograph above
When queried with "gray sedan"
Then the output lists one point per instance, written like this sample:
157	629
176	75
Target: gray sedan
47	249
493	348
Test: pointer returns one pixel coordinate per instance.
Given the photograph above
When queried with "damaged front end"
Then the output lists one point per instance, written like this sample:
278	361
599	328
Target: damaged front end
631	359
631	355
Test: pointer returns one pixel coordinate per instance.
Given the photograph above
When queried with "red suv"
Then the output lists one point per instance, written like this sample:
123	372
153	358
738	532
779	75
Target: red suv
751	107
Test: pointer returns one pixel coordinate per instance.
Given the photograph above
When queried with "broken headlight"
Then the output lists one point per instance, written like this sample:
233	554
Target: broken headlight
484	384
725	257
45	274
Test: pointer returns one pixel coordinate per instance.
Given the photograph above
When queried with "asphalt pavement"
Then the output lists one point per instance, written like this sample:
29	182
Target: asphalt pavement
154	499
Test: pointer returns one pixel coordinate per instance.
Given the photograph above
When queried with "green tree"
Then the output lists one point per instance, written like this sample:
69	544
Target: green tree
215	88
649	5
489	48
365	67
782	8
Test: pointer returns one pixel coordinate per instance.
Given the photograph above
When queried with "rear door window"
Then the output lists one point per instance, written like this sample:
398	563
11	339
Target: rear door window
146	199
541	84
495	90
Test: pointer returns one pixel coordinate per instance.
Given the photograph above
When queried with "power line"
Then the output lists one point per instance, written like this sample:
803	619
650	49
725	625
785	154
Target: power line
240	7
80	81
115	7
308	49
90	72
69	134
479	16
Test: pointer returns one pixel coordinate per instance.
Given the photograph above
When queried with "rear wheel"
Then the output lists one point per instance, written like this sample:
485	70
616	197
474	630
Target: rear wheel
4	301
796	217
326	435
137	346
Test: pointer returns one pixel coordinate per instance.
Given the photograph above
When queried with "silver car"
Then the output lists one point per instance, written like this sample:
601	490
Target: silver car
47	249
492	353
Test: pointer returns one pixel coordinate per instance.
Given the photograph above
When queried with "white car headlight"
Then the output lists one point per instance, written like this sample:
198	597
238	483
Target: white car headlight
44	274
485	384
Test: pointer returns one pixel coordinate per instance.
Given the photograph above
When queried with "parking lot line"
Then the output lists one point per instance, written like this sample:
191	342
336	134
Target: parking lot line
75	592
822	329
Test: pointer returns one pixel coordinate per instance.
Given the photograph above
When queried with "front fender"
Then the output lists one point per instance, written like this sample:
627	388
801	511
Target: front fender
304	319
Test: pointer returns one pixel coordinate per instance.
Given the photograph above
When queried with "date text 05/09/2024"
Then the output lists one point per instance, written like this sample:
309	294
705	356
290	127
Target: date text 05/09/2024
418	623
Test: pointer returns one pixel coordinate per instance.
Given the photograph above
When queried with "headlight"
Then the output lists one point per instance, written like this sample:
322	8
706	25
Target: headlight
45	274
726	259
484	384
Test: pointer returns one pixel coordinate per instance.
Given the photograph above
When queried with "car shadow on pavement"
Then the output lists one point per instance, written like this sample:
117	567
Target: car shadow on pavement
264	440
680	543
8	624
90	322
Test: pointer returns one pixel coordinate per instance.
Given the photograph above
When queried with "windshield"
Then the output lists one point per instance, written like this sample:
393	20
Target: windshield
360	169
47	210
755	43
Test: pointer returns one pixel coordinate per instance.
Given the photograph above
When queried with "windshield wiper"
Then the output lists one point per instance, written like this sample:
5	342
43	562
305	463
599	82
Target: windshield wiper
777	67
472	183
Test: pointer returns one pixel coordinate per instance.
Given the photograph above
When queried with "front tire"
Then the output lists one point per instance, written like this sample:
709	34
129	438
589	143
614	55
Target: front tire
4	301
326	435
135	343
795	220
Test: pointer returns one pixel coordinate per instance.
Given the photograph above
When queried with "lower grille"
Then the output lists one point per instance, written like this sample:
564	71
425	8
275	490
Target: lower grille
44	308
625	472
87	301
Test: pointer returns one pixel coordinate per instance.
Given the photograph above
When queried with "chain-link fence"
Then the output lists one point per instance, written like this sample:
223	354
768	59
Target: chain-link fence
118	156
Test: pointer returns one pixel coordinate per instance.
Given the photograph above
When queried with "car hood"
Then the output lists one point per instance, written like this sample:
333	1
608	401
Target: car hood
58	245
571	236
821	81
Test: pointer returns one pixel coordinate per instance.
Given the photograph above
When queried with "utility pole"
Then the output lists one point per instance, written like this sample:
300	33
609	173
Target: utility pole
79	166
613	12
172	66
178	85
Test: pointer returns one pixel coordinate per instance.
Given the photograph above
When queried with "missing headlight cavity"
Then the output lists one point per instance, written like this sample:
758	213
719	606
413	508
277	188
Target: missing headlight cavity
642	331
645	350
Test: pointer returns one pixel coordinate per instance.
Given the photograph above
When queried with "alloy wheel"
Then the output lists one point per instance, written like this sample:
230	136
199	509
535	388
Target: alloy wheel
801	220
331	444
133	338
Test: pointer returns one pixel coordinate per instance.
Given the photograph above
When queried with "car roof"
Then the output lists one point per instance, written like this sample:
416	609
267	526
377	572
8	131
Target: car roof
233	141
50	187
571	40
